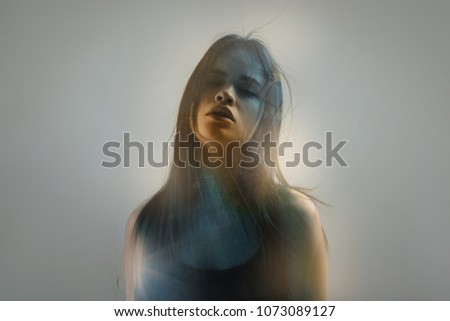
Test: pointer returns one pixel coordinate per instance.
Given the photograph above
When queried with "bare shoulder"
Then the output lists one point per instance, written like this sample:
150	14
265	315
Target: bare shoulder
304	207
133	217
311	278
129	253
302	222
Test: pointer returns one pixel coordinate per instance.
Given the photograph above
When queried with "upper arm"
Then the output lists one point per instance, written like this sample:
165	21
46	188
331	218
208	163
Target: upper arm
307	268
129	254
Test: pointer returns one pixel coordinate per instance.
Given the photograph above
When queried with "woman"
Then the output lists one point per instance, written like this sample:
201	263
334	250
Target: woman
226	225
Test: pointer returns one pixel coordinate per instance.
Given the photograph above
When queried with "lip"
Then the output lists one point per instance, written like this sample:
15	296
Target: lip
222	111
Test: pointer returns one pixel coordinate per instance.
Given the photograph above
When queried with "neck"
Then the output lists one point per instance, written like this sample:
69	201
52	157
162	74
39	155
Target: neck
226	181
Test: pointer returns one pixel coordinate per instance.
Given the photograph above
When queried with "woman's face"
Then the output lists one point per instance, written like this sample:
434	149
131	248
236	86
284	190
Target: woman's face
231	103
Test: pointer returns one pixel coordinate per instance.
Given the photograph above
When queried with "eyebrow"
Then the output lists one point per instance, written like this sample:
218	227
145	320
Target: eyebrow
244	77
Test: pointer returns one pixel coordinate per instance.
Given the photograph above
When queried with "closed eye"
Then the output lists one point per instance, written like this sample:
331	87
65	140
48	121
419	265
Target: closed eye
213	83
215	78
248	92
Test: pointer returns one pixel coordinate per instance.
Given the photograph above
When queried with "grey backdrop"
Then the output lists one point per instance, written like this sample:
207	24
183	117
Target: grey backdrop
76	74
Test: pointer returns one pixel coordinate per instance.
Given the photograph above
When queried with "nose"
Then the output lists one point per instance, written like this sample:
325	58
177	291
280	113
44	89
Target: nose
225	97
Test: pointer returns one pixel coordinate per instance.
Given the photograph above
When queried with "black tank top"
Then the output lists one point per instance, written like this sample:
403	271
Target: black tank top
165	276
173	280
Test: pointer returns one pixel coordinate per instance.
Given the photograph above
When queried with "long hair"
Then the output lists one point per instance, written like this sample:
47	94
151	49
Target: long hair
160	220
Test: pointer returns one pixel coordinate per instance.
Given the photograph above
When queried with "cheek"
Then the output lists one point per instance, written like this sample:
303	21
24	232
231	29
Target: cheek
252	114
200	117
250	120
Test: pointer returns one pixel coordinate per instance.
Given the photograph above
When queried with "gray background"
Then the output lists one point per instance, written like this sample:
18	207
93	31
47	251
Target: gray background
76	74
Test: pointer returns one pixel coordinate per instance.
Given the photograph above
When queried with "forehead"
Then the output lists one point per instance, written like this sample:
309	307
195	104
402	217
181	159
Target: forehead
240	61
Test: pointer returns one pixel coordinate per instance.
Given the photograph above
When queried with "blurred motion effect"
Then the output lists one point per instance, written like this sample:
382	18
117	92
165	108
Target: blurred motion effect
217	230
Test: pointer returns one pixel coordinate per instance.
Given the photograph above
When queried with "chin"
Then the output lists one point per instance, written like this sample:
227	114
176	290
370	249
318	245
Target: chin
220	135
